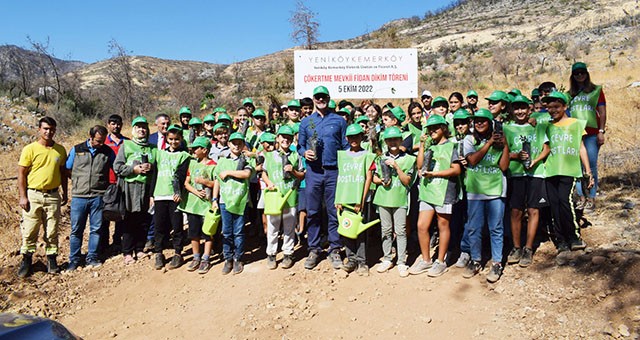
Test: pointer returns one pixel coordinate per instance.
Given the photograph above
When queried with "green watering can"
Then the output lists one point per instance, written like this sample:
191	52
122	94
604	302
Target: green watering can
274	201
211	221
350	224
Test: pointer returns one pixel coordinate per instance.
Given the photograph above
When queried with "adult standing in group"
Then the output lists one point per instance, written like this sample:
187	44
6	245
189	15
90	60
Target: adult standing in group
321	135
135	164
159	140
89	164
426	99
114	141
41	173
589	104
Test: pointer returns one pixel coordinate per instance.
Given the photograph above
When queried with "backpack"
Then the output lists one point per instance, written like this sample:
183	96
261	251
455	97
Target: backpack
114	206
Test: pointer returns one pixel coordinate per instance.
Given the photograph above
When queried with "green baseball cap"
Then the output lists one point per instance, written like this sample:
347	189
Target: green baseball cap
320	90
285	130
195	121
555	95
520	99
344	112
202	142
398	112
515	92
175	127
209	118
332	104
354	129
236	135
224	116
498	96
247	101
579	66
139	120
267	137
392	132
219	109
436	120
460	114
220	125
535	92
472	93
362	118
258	113
185	110
439	99
483	113
293	103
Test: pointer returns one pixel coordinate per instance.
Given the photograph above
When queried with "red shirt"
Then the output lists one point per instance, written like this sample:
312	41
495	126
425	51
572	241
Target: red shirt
115	147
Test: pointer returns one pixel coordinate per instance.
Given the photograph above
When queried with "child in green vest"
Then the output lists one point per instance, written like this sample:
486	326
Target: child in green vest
277	175
172	165
196	202
459	241
438	192
528	147
391	198
562	168
487	155
354	179
231	188
267	143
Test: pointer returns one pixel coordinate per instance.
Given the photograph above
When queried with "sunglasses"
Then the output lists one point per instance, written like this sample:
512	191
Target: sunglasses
321	97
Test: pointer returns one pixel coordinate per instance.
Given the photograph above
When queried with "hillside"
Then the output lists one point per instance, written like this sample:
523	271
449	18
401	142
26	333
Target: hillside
13	57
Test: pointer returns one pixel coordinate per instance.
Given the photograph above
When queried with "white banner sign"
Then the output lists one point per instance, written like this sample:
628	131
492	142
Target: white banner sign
359	73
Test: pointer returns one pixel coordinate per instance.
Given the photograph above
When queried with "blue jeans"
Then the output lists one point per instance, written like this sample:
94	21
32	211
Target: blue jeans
232	234
591	144
321	185
81	209
491	211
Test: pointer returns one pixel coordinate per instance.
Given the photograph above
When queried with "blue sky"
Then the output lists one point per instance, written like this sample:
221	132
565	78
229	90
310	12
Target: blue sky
211	31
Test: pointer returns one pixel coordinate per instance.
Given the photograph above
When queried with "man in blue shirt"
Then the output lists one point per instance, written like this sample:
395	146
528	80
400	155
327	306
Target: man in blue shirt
89	164
327	131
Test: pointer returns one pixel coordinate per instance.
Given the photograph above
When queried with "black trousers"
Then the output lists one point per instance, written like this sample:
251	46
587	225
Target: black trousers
560	191
166	218
134	232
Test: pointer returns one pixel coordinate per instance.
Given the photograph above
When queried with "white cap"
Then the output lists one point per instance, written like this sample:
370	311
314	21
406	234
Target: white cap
426	93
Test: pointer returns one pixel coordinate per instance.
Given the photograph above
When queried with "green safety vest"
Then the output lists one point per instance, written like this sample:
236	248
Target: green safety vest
352	172
583	106
132	153
433	190
395	195
564	142
167	163
416	132
485	178
535	136
542	118
191	203
233	192
273	166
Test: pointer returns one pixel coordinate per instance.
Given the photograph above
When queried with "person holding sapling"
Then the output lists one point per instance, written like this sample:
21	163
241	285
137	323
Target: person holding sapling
562	169
459	241
354	179
231	188
172	166
439	190
487	155
281	172
391	198
528	147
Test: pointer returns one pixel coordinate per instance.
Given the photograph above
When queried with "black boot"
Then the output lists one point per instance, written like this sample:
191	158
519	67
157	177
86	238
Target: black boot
52	264
25	265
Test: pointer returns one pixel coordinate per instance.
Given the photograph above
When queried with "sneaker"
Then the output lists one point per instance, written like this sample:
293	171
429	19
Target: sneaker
589	206
471	269
581	203
95	263
349	266
140	255
271	262
578	244
193	265
463	260
514	256
228	265
363	270
287	262
384	266
527	257
403	270
494	273
176	261
336	260
420	266
128	259
52	264
205	265
438	268
238	267
25	266
562	247
159	263
148	247
311	261
73	266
